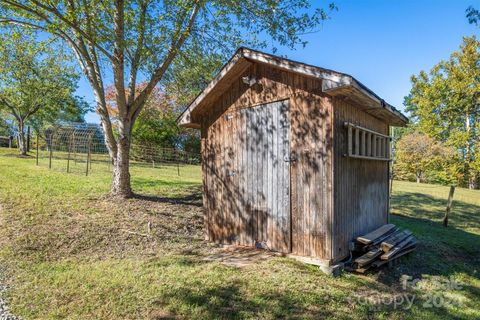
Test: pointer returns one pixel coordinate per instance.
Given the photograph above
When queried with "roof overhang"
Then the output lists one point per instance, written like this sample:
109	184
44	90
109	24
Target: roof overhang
365	99
333	83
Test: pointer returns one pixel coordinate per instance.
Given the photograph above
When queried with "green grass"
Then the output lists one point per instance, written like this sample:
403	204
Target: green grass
70	252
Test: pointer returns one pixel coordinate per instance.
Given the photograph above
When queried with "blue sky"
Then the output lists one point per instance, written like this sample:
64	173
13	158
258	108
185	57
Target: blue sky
381	43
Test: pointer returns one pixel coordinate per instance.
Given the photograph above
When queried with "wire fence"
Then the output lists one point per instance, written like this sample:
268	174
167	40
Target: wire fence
81	148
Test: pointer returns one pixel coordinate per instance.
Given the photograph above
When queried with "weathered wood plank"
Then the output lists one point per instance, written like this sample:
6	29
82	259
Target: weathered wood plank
398	247
357	141
368	257
363	150
369	144
377	233
402	252
390	242
350	140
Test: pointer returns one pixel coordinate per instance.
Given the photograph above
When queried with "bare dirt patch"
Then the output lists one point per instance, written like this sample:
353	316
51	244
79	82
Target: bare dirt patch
141	226
240	256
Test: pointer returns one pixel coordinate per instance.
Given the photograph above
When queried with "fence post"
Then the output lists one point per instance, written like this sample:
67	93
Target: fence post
74	149
178	162
90	148
88	157
28	139
38	149
50	158
68	157
449	206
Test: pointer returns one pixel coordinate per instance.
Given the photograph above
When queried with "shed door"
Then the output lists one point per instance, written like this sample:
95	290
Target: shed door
266	175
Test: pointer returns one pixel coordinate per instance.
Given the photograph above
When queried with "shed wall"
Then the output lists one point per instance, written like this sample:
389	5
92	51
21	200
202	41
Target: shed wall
227	207
360	185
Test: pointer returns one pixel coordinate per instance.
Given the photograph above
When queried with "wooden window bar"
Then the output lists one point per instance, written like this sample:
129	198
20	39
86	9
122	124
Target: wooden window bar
364	143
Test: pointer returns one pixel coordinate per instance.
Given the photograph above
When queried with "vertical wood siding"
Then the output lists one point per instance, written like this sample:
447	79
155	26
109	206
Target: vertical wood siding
360	185
233	211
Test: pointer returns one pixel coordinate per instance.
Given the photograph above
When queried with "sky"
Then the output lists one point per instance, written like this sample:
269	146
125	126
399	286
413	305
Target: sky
379	42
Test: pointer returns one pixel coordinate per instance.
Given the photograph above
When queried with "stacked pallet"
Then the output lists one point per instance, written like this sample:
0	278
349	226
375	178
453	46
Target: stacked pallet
381	246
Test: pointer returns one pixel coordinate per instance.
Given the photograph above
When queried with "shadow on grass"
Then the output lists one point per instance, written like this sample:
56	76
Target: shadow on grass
418	205
192	198
441	252
139	182
17	155
228	301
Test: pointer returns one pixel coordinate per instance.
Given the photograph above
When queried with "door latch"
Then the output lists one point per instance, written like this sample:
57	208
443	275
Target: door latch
291	158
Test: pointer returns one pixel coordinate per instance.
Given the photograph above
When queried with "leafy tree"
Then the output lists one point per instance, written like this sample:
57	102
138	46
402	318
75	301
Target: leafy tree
142	39
5	129
37	82
445	104
190	141
156	125
423	157
473	16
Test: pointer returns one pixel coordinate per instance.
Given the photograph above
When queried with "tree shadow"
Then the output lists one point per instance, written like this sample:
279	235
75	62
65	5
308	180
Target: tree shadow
229	301
426	207
442	253
150	182
194	198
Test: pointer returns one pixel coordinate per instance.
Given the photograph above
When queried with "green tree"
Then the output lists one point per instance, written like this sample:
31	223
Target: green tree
5	128
37	82
445	104
424	158
142	39
473	16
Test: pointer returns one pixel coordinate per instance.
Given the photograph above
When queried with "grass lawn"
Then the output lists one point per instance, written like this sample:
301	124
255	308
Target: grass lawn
68	251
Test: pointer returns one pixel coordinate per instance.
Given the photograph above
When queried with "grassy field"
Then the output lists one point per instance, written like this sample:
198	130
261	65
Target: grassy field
68	251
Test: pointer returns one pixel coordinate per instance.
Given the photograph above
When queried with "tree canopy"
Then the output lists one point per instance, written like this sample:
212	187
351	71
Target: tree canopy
140	41
445	104
37	81
473	16
425	159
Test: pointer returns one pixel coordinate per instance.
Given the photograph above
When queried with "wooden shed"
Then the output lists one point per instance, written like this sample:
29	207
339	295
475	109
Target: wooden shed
295	158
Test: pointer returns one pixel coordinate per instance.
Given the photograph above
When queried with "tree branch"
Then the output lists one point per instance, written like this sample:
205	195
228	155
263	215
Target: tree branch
11	107
58	14
30	112
119	58
138	53
172	52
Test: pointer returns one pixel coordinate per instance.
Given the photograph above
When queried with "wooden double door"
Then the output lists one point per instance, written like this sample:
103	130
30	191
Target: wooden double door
260	170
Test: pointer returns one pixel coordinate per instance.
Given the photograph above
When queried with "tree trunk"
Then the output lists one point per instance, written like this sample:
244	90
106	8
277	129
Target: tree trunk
121	164
472	183
22	143
470	174
419	177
